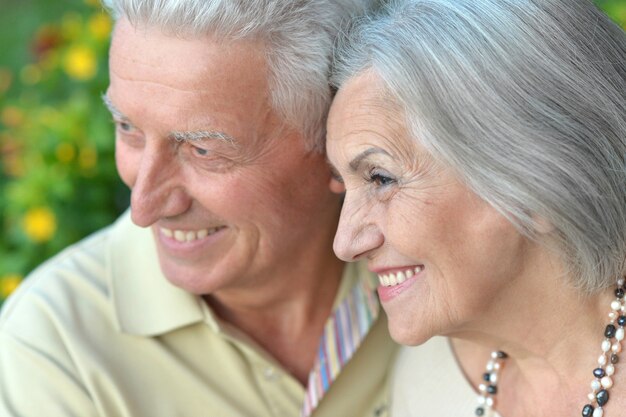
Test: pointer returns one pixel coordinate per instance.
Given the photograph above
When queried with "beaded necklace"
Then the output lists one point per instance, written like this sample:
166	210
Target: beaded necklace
599	396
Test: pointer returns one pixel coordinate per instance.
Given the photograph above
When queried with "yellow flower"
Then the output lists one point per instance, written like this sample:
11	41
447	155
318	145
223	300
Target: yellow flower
39	224
65	152
100	26
80	63
8	284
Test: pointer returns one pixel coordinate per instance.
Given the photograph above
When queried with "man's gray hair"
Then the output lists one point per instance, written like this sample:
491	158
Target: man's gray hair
297	34
525	100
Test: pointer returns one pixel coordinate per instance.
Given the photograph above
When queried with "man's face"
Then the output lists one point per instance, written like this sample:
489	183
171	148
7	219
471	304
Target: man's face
230	193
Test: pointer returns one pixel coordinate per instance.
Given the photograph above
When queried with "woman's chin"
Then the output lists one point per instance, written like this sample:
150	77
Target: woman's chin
409	334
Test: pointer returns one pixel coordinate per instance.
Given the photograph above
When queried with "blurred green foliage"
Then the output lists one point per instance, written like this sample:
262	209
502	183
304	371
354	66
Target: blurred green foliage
57	175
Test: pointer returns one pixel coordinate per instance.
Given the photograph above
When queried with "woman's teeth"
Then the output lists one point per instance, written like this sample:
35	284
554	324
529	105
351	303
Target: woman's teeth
391	279
188	235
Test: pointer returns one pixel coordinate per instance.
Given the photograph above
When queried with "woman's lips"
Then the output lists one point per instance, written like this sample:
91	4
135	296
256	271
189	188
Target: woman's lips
393	284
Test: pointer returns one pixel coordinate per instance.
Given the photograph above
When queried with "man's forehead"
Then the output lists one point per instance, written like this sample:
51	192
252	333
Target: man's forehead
190	86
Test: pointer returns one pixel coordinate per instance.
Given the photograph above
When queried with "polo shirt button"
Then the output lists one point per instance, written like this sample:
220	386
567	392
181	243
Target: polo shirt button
270	374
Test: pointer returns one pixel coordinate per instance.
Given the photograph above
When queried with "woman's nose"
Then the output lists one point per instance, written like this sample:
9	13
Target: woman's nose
358	233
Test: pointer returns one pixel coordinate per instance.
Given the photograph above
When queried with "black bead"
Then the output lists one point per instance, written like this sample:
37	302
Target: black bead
492	389
588	410
599	372
614	359
609	331
486	376
621	320
619	293
501	354
480	411
602	397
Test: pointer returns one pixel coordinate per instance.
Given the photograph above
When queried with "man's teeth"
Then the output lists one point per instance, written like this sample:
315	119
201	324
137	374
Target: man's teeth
188	235
391	279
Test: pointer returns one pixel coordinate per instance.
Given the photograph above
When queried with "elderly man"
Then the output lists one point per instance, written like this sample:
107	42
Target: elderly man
218	293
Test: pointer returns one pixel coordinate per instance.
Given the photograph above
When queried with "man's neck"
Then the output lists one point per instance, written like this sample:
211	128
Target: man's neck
287	319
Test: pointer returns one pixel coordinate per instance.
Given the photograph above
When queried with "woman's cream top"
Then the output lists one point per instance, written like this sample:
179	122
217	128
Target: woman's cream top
427	382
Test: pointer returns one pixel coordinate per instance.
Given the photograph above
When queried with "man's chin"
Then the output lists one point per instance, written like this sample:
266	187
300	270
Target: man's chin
189	278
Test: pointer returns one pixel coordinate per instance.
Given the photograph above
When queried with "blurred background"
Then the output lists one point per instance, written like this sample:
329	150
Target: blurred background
57	175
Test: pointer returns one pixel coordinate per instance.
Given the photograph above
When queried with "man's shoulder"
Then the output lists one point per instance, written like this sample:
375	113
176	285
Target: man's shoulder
65	284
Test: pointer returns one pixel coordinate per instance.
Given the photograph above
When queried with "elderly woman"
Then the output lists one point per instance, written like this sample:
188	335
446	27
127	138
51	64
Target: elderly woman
481	144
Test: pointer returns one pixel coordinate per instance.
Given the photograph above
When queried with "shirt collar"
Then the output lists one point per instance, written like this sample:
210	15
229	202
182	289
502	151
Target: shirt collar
144	301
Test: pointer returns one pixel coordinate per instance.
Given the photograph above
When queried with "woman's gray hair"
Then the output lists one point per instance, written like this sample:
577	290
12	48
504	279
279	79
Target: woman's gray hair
298	36
525	100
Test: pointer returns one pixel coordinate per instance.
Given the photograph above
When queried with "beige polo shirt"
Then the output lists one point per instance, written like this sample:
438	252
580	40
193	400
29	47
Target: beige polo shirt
99	331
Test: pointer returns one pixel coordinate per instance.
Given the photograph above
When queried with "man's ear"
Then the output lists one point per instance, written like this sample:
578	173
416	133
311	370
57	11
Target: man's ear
336	186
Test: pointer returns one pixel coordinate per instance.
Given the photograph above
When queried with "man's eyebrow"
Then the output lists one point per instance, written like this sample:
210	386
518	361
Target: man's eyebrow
356	161
190	136
201	135
112	109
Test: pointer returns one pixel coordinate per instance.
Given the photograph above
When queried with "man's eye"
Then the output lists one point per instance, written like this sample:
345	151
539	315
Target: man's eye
200	151
124	126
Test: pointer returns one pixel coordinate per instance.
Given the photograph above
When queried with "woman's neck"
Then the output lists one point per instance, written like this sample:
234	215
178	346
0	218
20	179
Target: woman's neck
553	337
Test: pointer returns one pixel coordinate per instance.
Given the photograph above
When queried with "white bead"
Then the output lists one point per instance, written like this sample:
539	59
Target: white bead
606	345
493	378
620	282
595	385
616	305
602	360
490	365
598	412
612	315
481	400
610	370
619	334
591	396
496	366
606	382
482	387
617	347
494	355
489	402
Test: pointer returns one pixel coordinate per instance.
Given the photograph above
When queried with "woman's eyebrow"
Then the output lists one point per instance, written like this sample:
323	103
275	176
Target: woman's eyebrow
356	161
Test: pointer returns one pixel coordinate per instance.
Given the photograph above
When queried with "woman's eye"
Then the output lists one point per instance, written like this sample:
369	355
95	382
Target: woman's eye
380	178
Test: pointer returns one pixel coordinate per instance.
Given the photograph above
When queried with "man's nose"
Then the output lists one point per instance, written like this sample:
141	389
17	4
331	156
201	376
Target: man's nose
159	190
358	233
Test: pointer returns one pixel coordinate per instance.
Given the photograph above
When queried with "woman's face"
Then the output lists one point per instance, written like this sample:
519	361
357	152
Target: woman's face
443	255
